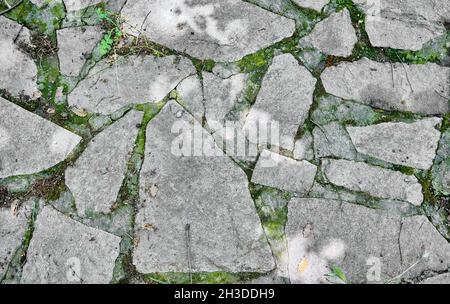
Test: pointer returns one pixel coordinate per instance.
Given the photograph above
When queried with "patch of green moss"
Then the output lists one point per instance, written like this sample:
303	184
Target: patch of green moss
256	60
200	278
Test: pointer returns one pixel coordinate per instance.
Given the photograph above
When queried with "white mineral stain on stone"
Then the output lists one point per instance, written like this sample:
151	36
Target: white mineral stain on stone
211	29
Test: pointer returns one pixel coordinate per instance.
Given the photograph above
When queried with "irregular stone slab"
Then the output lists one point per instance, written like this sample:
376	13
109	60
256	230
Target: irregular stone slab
14	62
440	279
313	4
208	193
75	5
190	91
30	144
332	140
333	36
134	80
376	181
96	177
404	25
75	45
64	251
422	89
361	242
304	147
12	233
284	173
211	29
285	98
407	144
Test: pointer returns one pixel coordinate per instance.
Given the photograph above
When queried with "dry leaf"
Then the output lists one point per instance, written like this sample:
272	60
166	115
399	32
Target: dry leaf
302	266
153	191
15	207
149	227
80	112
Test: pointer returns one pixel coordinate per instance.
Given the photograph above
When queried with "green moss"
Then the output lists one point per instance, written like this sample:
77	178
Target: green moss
200	278
255	61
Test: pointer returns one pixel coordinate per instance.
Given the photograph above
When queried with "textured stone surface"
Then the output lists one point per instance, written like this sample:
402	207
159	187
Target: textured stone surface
134	80
408	144
28	143
285	97
332	140
313	4
423	89
284	173
75	45
358	239
440	279
333	36
304	147
190	91
407	24
15	63
96	177
64	251
208	29
208	193
12	232
376	181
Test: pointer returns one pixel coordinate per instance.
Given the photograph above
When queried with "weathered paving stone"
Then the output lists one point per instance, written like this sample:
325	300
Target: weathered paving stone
285	97
313	4
64	251
332	140
75	45
30	144
210	29
15	63
304	147
408	144
132	80
423	89
326	233
96	177
404	25
284	173
208	193
440	279
13	225
376	181
333	36
190	91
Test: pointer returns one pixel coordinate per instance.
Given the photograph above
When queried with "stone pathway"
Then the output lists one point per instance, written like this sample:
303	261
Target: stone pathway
225	142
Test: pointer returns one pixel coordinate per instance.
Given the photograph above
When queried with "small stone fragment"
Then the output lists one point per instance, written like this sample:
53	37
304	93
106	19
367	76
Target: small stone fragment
30	144
333	36
376	181
190	91
420	88
284	173
407	144
332	140
285	98
304	147
96	177
313	4
64	251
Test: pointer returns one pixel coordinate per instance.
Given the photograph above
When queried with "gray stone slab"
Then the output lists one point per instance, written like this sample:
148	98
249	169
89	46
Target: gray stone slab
190	90
404	25
422	88
304	147
15	63
408	144
284	173
312	4
13	224
332	140
208	193
368	245
333	36
30	144
376	181
97	176
207	29
439	279
285	98
64	251
132	80
75	45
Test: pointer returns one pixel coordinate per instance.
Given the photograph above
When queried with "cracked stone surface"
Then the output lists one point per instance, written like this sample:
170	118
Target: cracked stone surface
332	140
440	279
15	63
359	235
75	45
422	89
60	244
284	173
333	36
30	144
208	193
191	94
96	177
376	181
408	144
137	79
285	98
209	29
